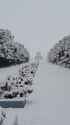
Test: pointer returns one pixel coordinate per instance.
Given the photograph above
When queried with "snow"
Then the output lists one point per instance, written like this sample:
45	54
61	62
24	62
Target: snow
50	102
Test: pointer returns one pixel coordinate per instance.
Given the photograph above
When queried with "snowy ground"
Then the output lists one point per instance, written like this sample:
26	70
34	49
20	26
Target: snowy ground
50	102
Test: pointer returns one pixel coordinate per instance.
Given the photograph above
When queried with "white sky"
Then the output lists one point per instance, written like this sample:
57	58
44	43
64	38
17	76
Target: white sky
36	23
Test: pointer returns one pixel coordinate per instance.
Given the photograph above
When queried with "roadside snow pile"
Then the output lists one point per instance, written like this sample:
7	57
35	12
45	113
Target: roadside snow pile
11	52
20	85
60	53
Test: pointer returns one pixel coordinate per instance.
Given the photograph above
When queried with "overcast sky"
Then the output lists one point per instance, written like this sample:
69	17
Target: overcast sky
36	23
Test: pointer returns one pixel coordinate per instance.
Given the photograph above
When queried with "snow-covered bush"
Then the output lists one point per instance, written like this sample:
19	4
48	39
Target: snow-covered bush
28	69
20	85
60	53
15	87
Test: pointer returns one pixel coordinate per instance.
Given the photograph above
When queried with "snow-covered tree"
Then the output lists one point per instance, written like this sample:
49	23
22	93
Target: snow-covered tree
11	52
60	53
38	57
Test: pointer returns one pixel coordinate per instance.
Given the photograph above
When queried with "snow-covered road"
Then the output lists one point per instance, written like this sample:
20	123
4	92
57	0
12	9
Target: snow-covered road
50	103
